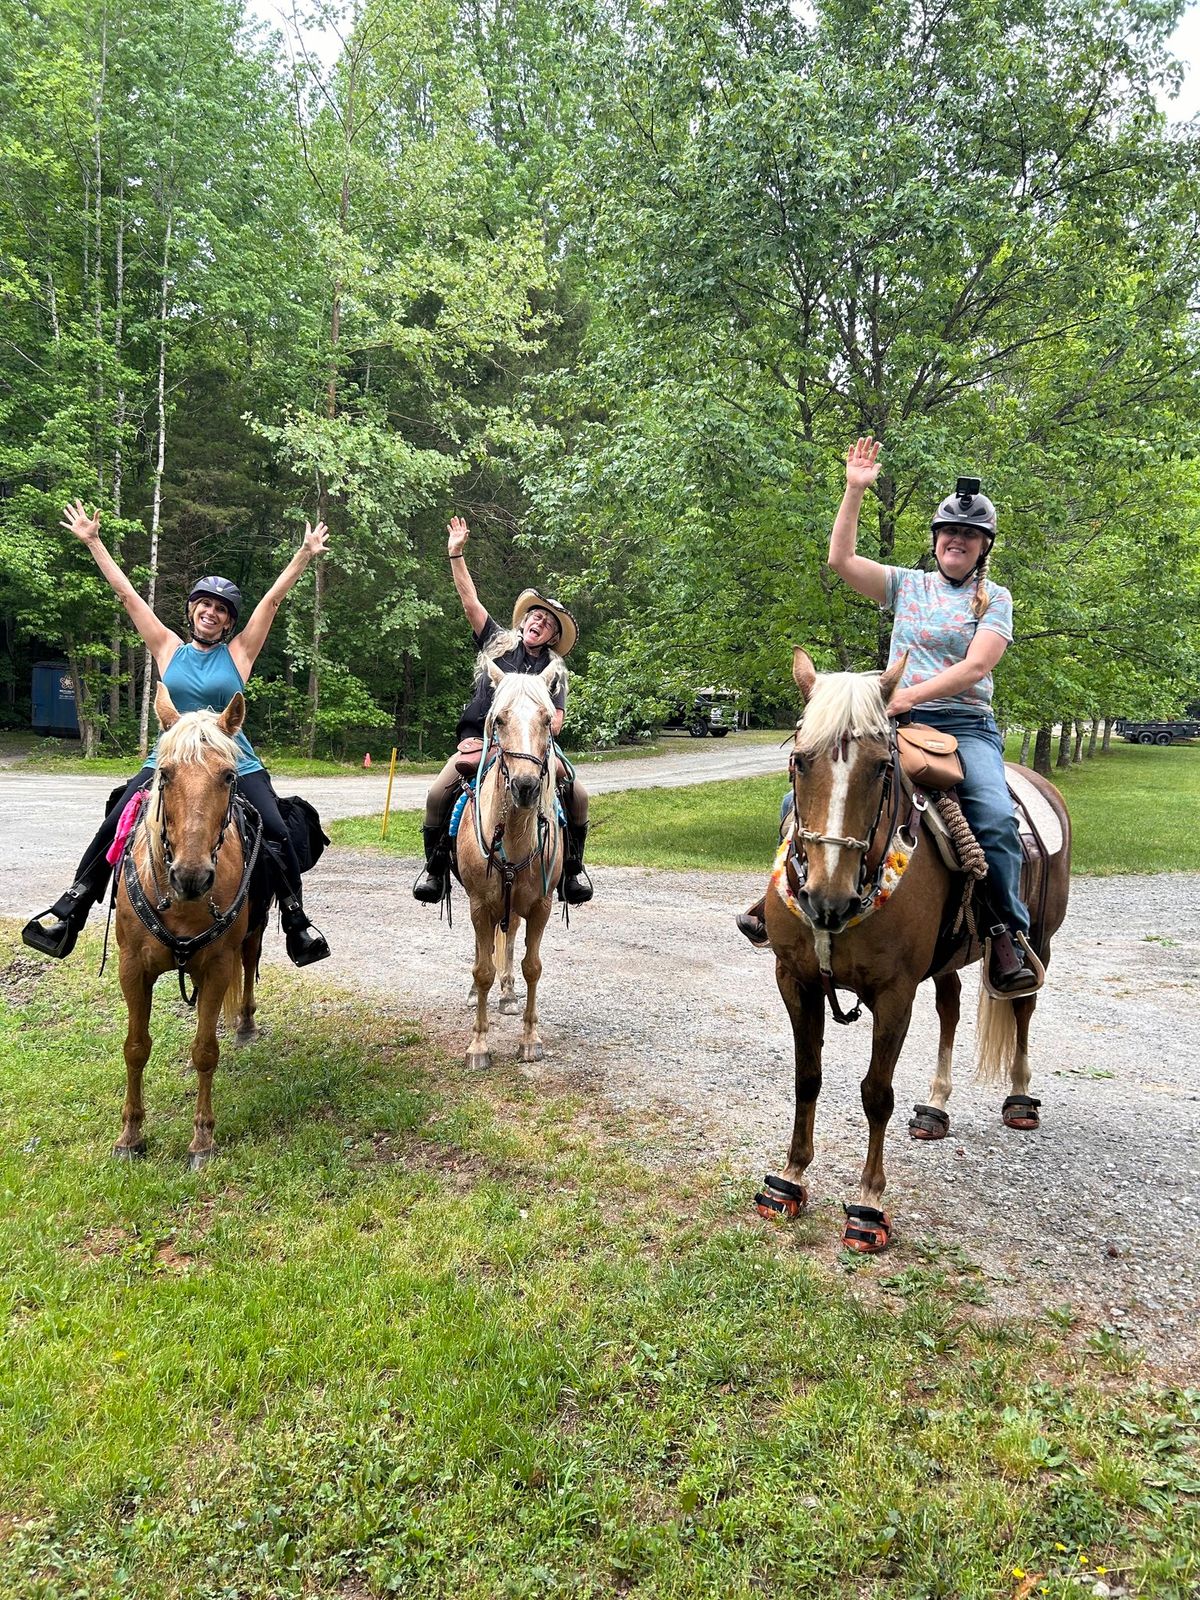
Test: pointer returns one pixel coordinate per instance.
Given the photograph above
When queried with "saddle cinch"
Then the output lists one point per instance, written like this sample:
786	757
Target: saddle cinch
930	760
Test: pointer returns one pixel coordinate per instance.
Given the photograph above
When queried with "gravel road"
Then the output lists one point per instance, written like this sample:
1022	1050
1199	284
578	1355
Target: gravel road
651	1002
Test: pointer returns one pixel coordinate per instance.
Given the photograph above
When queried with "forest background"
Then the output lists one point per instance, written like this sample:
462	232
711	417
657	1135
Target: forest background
618	282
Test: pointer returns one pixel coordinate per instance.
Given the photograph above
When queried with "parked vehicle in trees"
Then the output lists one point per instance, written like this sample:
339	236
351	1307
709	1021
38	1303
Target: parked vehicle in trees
1156	732
714	711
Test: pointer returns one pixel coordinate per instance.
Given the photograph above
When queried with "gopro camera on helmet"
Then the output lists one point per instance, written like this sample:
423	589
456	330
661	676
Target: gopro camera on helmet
966	489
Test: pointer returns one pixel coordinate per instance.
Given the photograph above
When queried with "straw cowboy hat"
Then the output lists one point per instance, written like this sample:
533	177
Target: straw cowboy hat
528	599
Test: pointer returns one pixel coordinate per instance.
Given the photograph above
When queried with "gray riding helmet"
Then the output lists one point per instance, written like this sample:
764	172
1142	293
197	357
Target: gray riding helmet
963	509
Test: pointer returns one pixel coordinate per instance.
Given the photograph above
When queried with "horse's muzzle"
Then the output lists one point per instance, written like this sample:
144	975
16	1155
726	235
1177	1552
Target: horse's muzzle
827	913
525	791
191	883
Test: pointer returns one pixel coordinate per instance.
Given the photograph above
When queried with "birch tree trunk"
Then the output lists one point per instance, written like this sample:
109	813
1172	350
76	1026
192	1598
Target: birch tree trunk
156	510
114	690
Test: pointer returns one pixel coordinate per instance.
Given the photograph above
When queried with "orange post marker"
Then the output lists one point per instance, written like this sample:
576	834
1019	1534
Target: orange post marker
367	759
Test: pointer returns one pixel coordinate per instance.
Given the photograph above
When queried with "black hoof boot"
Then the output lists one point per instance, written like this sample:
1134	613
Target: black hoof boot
576	886
68	913
433	885
305	944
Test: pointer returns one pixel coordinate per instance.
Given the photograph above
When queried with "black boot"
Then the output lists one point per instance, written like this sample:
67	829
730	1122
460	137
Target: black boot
1009	972
305	944
433	885
70	912
576	886
753	923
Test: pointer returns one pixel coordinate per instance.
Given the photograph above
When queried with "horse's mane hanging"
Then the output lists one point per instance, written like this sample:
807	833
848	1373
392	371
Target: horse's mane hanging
842	703
192	738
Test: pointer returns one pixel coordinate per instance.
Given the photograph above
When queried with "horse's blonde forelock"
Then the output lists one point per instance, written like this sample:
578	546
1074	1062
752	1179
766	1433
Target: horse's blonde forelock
842	704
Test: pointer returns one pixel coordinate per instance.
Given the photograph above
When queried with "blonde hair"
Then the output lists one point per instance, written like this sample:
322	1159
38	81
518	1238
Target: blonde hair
981	599
508	639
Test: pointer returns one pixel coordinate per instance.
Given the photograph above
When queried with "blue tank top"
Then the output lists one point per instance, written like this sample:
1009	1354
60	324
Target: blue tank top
206	680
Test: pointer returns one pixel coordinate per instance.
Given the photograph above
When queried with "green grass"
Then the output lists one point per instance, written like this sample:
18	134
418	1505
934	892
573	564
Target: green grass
1132	810
416	1332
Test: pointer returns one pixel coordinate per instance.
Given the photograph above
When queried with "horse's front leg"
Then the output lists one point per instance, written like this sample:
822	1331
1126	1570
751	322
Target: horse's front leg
509	1004
210	991
138	987
785	1194
931	1120
531	970
247	1028
484	974
868	1226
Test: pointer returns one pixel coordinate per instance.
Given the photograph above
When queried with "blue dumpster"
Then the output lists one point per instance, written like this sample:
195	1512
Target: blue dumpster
54	699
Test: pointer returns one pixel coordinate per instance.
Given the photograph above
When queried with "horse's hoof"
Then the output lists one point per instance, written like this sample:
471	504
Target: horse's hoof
1021	1111
927	1122
479	1060
867	1229
243	1039
199	1158
779	1197
532	1052
510	1006
130	1152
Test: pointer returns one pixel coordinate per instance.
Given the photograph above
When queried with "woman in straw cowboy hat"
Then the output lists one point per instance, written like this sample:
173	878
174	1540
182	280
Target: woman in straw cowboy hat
543	631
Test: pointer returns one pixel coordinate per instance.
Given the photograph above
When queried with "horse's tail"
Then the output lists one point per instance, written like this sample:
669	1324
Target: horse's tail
995	1039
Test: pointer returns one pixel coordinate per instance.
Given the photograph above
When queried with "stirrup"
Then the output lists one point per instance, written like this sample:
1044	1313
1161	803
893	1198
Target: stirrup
70	912
1029	960
576	886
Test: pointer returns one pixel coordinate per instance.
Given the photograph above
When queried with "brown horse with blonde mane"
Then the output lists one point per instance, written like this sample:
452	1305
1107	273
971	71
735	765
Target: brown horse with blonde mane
510	855
184	902
858	900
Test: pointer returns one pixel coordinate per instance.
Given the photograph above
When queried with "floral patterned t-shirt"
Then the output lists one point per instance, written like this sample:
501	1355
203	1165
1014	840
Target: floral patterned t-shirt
934	624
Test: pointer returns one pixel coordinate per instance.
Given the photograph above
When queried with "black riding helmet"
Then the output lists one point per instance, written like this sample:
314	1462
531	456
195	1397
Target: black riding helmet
220	589
967	508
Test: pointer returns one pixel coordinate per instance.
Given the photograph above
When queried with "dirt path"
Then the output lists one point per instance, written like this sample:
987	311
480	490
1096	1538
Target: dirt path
653	1003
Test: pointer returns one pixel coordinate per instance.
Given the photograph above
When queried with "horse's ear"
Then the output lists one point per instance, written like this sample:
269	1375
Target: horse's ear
803	671
164	708
495	673
890	680
234	714
552	674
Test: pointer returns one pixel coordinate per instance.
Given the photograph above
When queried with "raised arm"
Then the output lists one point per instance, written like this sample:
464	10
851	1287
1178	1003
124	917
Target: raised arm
868	577
247	645
161	641
476	614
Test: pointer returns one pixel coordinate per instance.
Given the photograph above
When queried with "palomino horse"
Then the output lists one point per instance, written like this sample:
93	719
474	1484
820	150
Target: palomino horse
510	854
858	903
184	902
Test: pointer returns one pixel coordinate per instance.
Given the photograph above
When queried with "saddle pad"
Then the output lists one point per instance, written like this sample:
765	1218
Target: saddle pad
1041	812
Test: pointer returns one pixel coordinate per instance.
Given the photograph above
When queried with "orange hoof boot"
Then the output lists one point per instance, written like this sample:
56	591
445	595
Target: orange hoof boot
927	1122
1021	1111
867	1230
779	1198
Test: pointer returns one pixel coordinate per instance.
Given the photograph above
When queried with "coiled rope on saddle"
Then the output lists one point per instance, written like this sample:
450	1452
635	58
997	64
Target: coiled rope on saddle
969	852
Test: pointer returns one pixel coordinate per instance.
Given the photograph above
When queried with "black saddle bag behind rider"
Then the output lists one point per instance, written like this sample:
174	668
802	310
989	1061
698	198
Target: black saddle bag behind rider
303	823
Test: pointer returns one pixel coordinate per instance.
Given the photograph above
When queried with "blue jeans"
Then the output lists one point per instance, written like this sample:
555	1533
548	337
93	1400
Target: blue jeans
987	807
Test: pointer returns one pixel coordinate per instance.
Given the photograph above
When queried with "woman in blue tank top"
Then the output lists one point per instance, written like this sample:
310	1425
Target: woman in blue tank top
202	672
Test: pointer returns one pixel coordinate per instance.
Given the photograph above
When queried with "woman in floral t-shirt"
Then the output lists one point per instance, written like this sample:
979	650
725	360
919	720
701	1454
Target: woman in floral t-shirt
954	624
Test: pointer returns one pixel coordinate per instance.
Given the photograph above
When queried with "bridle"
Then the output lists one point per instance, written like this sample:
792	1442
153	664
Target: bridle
494	853
149	914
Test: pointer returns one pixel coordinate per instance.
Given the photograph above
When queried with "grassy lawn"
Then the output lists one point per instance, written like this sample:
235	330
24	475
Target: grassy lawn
1132	810
413	1332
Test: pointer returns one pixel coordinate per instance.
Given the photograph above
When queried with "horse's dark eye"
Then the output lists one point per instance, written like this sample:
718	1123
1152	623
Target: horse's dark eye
230	778
799	763
881	769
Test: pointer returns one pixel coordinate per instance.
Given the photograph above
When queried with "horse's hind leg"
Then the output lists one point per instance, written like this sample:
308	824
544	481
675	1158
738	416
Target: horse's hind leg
484	974
509	1004
1020	1110
137	987
247	1028
205	1053
931	1121
531	970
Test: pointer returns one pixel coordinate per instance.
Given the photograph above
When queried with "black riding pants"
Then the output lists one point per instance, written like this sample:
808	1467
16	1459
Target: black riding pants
94	870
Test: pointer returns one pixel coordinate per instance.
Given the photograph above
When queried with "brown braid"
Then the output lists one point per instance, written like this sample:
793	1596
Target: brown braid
981	600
